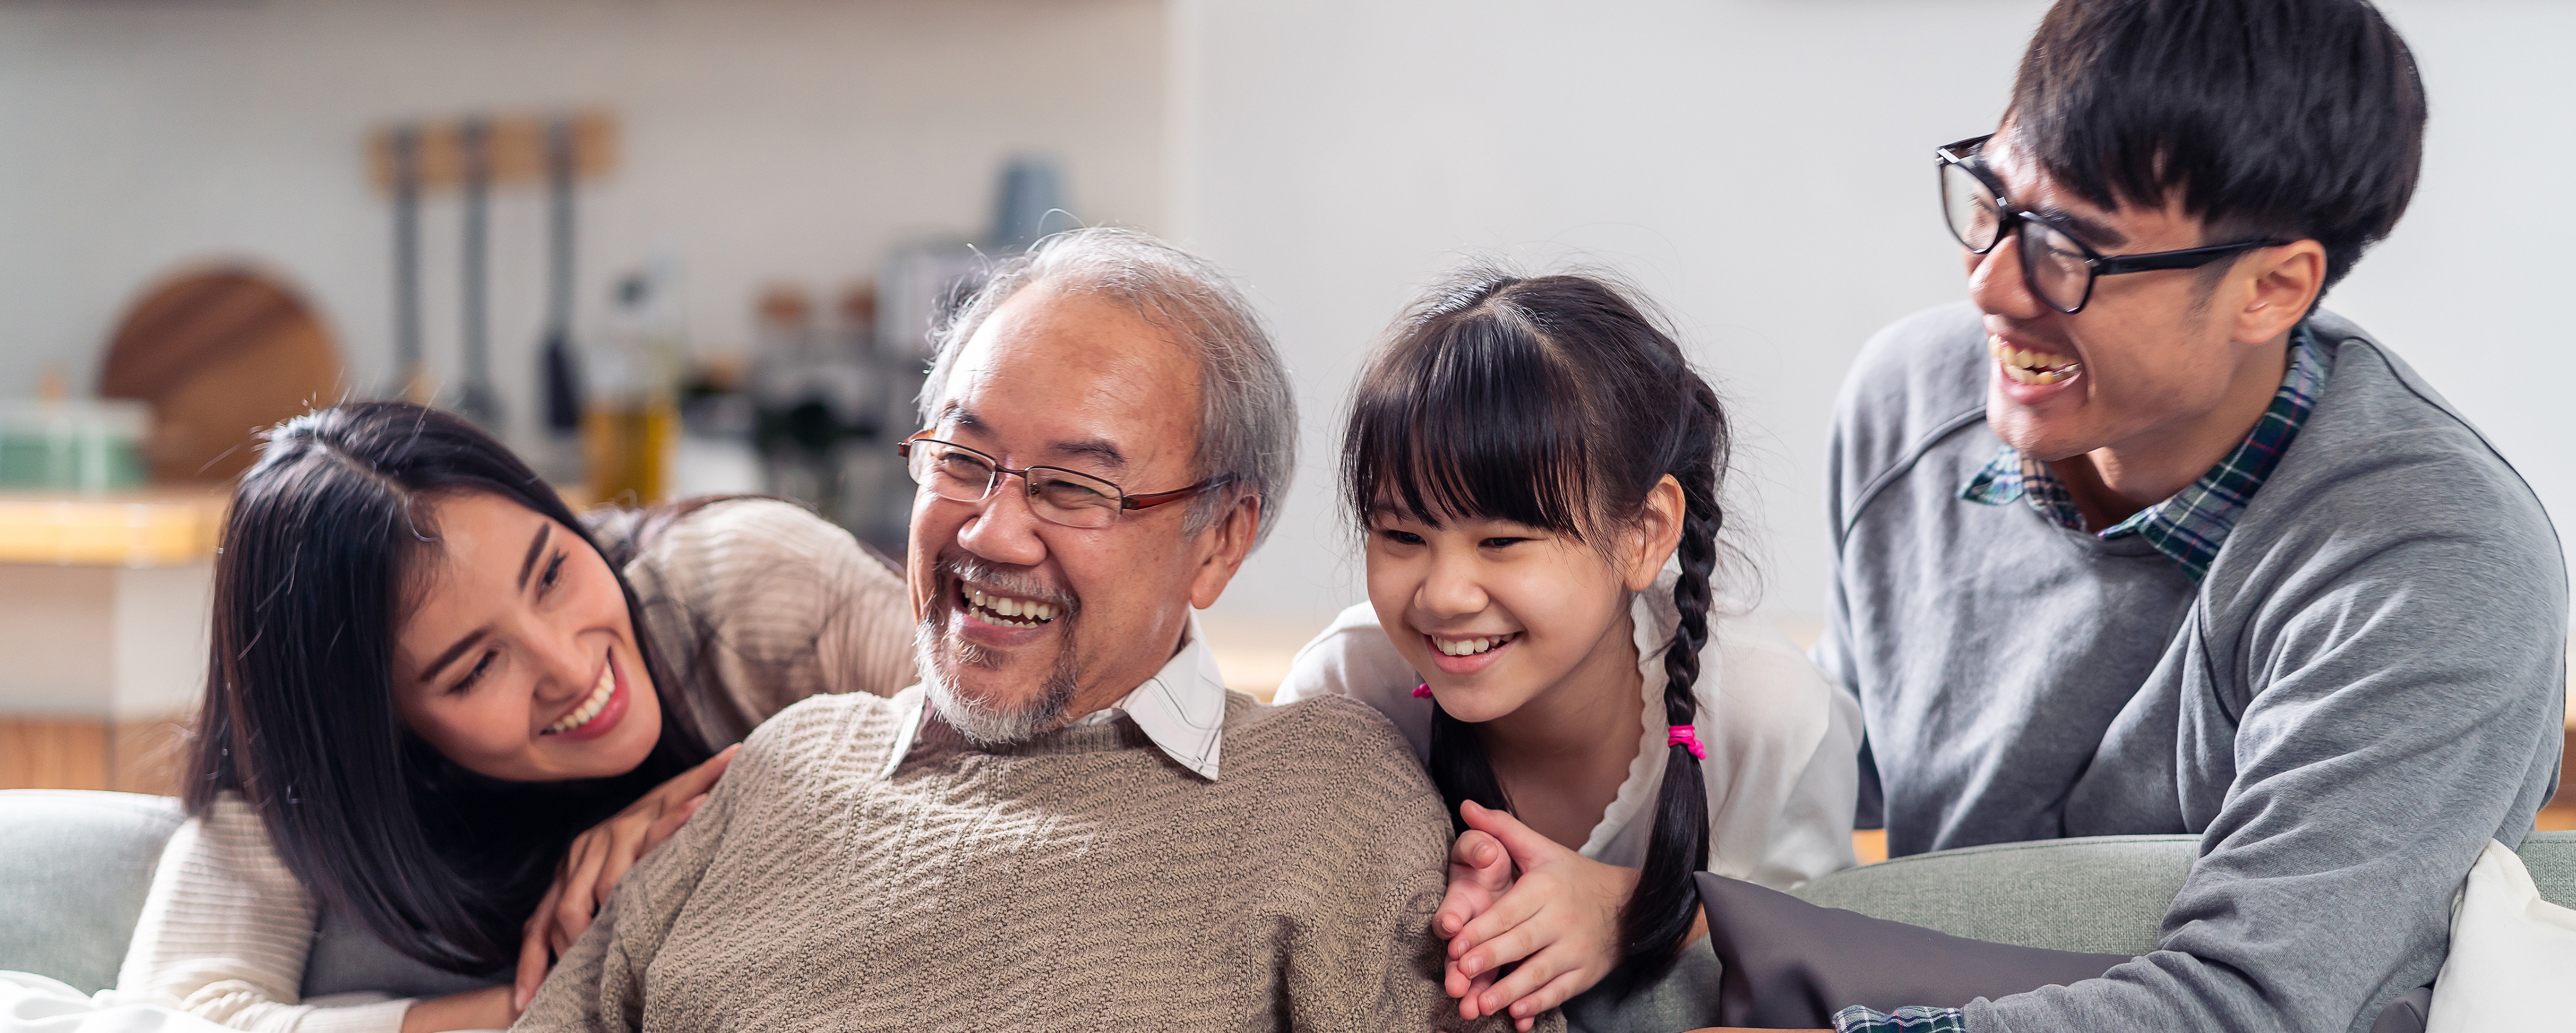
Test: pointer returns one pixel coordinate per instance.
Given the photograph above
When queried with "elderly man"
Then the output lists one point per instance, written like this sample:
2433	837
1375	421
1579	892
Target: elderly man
1070	824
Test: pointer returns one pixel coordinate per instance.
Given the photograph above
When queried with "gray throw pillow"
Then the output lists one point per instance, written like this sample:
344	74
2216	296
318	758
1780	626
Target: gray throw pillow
348	958
1792	964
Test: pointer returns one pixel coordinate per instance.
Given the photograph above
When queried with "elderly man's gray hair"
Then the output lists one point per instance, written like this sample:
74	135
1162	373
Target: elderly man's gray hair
1247	415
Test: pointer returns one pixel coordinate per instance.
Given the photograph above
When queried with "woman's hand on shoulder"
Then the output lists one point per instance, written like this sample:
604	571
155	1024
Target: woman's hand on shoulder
1559	920
599	858
492	1007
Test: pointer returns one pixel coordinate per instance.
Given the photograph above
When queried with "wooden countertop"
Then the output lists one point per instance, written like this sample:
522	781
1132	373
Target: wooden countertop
150	528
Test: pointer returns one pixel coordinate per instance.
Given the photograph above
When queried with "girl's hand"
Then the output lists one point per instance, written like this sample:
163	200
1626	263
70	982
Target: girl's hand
1480	870
600	857
1559	920
487	1008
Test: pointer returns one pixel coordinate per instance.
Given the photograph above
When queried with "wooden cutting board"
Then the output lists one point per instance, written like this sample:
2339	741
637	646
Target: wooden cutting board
222	354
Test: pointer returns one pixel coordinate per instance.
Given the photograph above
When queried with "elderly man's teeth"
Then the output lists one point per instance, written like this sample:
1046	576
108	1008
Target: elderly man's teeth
1469	646
1000	609
589	708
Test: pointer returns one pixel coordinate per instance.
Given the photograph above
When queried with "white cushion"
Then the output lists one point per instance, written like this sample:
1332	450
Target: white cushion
2512	953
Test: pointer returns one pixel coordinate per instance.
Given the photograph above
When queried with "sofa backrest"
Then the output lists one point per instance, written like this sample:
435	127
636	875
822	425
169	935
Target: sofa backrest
2100	894
77	866
2551	857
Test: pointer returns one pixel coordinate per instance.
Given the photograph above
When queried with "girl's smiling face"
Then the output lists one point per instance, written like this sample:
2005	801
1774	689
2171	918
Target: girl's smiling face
1494	613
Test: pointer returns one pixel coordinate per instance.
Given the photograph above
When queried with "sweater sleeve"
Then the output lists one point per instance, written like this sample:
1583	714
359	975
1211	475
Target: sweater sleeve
225	930
2370	772
599	983
1361	955
757	603
1352	657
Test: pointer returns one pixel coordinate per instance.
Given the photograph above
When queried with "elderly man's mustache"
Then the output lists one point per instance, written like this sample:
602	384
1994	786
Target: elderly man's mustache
957	568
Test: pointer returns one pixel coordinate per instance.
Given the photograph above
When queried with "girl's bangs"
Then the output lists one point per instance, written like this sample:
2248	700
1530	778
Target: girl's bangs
1471	419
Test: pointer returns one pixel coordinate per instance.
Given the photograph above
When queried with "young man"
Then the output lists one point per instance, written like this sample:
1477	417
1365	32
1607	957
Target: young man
2141	541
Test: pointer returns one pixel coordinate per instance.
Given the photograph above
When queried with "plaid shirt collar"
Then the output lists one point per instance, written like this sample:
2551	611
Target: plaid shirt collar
2190	526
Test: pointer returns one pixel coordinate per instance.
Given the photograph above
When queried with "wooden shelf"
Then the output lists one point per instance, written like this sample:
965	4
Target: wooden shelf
144	529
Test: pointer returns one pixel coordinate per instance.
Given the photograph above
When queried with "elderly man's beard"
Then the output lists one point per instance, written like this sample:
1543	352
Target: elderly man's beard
987	722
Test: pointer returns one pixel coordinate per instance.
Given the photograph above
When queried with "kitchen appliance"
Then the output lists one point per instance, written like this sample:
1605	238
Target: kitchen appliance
65	444
631	421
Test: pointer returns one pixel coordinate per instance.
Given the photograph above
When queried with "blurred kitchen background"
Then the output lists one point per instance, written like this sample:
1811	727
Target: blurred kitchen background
676	246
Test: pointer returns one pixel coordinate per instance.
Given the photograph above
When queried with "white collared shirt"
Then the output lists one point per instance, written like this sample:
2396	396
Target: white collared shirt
1181	708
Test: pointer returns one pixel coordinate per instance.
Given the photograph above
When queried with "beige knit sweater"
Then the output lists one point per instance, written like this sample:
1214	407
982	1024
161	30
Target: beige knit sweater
1081	882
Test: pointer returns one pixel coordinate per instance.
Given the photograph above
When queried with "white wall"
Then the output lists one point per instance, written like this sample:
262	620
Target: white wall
1759	166
1763	169
764	140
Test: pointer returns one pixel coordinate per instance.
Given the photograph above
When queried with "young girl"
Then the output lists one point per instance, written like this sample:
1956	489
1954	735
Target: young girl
1528	459
428	678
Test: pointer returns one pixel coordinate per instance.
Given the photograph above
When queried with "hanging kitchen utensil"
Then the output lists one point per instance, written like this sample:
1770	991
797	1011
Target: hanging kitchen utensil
477	400
561	381
411	376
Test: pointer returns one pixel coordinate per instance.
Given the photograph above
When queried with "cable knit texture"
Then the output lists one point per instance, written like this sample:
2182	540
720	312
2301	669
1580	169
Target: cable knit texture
1083	881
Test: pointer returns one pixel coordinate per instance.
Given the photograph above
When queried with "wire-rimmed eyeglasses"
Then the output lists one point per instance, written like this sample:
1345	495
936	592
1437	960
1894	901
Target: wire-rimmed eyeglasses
1057	495
2058	267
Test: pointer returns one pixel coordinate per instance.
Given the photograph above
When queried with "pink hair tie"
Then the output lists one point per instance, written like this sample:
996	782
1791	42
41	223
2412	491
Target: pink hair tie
1687	738
1422	691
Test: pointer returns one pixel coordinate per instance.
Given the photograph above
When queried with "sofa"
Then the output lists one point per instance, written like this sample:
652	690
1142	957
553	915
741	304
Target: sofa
74	867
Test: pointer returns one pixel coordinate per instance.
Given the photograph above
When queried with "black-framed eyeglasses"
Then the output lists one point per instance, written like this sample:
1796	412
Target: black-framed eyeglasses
2058	267
1069	497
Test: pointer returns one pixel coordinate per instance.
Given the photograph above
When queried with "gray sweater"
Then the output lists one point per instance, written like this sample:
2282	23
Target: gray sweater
2365	689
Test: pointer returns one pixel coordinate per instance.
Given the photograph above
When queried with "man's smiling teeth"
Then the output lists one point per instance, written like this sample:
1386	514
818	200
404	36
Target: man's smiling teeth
1470	646
2026	366
1008	612
589	708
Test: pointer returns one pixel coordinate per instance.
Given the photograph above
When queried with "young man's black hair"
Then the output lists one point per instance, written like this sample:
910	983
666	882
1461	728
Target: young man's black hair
2265	118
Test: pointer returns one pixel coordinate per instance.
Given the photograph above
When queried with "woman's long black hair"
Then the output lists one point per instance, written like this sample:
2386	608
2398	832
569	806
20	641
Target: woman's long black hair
325	536
1558	403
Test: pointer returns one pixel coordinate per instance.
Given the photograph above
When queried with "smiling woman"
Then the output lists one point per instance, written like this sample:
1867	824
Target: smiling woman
526	677
429	678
